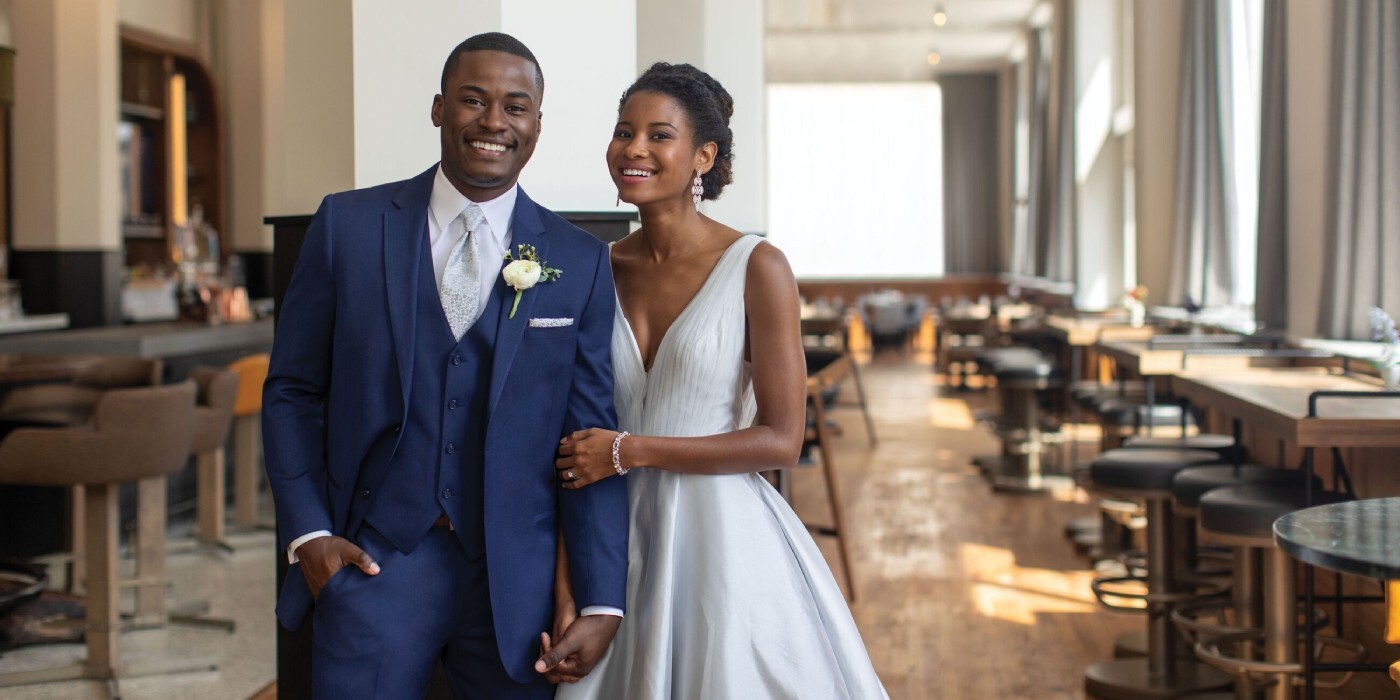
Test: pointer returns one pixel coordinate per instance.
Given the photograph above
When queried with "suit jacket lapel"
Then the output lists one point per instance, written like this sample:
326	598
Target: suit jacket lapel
405	225
526	227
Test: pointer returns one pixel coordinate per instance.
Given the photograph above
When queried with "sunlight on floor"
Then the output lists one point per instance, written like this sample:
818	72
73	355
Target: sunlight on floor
951	414
1002	590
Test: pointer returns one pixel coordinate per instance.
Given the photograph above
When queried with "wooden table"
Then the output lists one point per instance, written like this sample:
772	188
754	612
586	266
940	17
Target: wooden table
1277	400
1078	332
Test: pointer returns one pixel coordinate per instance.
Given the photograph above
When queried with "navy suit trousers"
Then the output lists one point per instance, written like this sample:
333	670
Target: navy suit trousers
381	636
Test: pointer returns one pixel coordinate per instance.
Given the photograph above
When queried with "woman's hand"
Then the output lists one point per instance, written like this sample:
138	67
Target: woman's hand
585	457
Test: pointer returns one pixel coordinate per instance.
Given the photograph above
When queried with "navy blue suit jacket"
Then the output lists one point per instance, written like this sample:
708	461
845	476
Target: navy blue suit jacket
337	392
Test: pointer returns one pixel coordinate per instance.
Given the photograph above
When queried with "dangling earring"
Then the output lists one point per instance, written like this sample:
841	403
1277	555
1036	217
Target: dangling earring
698	189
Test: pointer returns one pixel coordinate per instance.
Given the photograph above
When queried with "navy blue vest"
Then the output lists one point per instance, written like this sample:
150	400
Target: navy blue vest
439	466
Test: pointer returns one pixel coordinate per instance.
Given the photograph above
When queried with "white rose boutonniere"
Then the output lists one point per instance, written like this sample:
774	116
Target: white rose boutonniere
524	270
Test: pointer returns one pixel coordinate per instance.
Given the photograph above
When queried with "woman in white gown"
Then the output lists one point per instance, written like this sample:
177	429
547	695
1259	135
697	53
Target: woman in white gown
727	594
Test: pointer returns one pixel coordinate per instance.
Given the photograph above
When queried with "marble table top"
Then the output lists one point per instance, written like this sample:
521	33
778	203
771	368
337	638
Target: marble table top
1358	537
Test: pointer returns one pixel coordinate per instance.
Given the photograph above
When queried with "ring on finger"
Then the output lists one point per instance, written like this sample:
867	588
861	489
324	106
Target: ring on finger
570	475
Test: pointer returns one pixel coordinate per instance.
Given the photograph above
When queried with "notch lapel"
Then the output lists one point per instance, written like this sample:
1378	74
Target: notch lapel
526	227
405	225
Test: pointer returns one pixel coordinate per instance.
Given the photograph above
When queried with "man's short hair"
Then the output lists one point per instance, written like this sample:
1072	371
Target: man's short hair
492	41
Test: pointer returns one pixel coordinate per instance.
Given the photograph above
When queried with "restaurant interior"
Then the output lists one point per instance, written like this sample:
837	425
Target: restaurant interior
1103	384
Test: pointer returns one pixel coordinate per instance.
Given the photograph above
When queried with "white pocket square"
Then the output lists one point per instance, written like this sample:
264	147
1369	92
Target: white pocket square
551	322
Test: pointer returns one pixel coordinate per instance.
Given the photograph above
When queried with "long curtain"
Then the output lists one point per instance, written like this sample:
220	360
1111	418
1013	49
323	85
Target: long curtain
1038	54
1056	218
1271	280
1364	204
1202	268
971	199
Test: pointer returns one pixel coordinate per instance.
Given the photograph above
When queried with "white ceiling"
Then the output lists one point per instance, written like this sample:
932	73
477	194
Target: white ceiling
888	40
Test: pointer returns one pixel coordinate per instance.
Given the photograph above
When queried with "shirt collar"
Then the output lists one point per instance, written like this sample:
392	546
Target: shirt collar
447	203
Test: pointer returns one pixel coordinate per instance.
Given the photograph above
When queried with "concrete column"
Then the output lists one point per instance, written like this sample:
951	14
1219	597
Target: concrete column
67	209
725	39
250	39
65	139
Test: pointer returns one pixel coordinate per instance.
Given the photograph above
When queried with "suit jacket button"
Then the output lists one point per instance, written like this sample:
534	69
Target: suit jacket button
451	448
447	493
456	359
397	428
364	493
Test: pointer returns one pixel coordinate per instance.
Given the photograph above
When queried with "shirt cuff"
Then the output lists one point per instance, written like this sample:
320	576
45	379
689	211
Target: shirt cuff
292	548
600	610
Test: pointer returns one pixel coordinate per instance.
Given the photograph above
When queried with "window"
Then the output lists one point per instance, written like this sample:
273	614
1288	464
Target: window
855	179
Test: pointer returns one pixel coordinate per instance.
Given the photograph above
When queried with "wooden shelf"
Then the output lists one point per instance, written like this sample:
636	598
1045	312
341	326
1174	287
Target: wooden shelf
140	111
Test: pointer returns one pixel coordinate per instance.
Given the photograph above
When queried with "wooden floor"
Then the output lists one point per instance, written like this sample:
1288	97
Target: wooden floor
962	593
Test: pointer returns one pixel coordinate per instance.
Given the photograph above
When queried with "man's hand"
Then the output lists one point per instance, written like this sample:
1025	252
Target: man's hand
322	557
578	651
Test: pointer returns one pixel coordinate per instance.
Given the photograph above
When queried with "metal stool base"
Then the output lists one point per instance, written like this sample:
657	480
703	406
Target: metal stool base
1129	679
1130	645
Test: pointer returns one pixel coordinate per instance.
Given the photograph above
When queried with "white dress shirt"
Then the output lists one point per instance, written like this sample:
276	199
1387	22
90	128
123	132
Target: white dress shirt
445	228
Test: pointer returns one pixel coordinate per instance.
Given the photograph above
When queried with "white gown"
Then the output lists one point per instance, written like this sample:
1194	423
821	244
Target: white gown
728	597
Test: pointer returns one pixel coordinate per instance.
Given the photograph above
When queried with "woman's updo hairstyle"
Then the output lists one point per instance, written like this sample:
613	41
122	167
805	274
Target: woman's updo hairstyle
706	103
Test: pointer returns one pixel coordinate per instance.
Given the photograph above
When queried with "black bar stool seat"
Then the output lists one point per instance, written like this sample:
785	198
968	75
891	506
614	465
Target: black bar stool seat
1146	472
1191	485
1223	445
1249	511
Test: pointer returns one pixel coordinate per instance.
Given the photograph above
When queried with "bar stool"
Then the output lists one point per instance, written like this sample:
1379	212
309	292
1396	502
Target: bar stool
1223	445
1023	376
247	438
1243	516
1124	417
218	391
135	434
72	403
1145	476
1243	610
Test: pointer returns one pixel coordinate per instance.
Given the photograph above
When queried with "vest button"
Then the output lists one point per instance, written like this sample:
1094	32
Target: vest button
364	493
447	493
452	405
451	448
456	359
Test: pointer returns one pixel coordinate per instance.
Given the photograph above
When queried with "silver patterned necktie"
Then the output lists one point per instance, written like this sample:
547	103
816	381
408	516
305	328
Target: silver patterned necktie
460	290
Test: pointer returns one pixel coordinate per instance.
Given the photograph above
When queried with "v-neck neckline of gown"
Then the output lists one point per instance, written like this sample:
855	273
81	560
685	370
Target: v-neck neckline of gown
665	335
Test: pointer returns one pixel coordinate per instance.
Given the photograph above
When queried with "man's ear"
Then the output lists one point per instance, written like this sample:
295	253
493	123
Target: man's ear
437	110
539	117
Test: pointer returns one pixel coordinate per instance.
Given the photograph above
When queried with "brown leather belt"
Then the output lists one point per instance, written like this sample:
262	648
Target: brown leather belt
443	521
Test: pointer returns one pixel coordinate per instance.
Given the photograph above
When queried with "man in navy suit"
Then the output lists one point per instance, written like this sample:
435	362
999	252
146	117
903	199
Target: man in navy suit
411	416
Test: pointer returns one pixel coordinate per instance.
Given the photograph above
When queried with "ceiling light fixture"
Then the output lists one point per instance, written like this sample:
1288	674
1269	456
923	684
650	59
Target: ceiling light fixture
940	17
934	58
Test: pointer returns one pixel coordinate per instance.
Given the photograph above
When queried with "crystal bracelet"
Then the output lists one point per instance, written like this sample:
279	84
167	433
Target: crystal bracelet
617	453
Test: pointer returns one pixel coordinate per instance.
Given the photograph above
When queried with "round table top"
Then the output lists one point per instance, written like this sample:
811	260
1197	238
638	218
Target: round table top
1357	537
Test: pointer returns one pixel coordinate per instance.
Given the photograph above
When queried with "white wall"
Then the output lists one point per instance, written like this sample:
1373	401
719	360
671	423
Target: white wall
588	52
734	56
1157	45
399	49
1309	105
